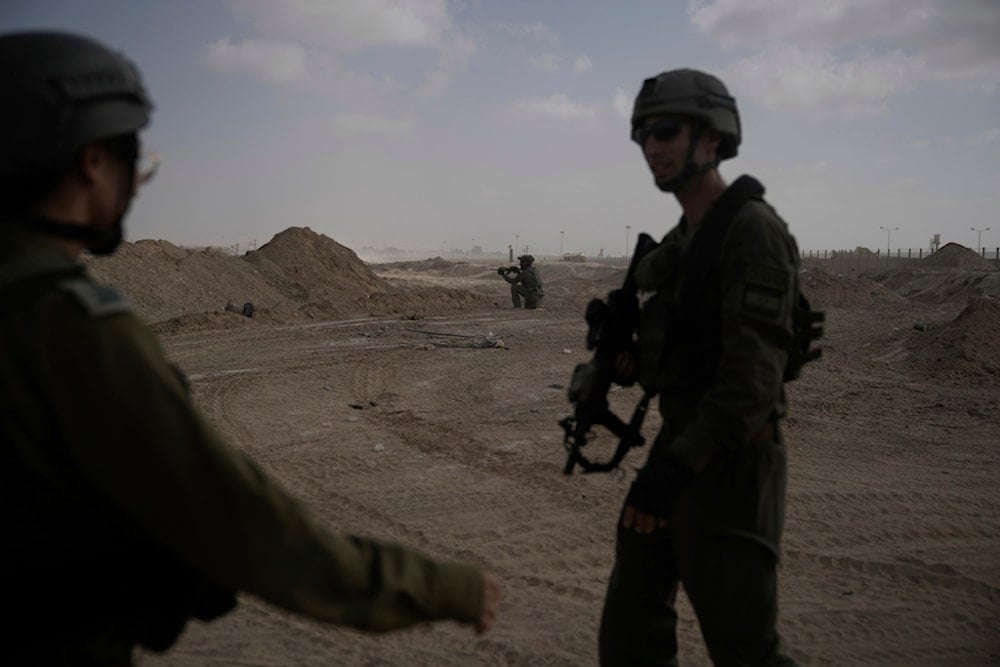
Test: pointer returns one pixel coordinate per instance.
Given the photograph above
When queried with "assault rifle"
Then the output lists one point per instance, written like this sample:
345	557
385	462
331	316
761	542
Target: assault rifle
611	326
504	270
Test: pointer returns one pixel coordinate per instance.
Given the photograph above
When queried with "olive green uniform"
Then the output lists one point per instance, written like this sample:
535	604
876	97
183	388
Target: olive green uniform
126	513
713	341
527	284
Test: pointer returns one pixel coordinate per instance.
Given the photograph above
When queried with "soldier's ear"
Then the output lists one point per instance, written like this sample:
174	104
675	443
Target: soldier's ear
90	161
711	140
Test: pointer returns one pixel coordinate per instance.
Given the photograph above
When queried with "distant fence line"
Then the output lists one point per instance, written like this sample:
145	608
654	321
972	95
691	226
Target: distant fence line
876	259
856	259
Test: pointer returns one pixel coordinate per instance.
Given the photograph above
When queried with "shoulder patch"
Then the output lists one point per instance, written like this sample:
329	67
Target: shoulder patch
769	277
97	300
764	290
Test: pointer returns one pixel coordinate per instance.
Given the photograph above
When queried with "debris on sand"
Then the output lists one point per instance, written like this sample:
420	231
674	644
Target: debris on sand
469	340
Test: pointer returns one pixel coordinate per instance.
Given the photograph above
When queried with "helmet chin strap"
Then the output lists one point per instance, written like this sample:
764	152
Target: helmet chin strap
690	169
97	241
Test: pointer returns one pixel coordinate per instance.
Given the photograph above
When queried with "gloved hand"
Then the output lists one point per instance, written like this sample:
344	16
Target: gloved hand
657	487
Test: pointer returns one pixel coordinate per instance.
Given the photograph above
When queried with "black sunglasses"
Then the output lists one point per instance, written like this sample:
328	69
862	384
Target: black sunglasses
661	130
125	147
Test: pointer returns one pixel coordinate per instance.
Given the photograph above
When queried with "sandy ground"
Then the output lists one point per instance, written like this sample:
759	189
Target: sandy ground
422	429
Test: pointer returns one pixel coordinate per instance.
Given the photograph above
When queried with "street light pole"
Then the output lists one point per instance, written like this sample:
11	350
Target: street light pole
517	244
561	232
979	241
888	238
627	228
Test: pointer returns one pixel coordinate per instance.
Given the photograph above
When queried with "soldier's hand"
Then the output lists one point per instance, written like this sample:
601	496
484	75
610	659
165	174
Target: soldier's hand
626	368
651	498
491	600
642	523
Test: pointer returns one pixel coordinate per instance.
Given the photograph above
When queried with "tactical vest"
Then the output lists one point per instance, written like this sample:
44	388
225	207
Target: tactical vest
680	332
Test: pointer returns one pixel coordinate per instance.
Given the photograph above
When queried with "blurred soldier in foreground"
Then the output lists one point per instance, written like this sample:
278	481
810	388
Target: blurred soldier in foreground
715	334
125	513
524	282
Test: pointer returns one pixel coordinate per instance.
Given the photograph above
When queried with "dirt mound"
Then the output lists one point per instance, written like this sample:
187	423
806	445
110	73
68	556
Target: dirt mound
298	275
968	345
825	289
324	279
429	264
214	321
955	256
306	263
418	302
942	286
953	274
165	281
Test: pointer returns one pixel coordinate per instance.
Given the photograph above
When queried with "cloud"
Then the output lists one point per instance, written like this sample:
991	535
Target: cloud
537	32
622	104
349	25
274	61
454	55
555	106
551	62
546	61
991	136
326	31
789	76
365	124
957	40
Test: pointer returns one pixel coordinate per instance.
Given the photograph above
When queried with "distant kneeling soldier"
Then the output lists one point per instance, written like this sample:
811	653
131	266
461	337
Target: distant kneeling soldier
524	283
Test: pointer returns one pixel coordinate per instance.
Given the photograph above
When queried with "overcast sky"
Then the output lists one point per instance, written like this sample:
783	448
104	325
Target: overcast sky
436	124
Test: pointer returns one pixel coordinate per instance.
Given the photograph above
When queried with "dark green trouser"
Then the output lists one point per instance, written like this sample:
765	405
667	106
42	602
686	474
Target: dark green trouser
531	298
730	580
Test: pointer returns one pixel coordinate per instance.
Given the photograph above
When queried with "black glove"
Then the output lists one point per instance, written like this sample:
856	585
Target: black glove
656	488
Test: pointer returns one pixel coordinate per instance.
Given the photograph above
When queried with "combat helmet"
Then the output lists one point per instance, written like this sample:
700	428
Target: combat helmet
62	91
689	92
526	260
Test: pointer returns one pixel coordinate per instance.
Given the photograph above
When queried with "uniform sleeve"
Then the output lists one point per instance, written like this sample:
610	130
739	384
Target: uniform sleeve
759	279
138	439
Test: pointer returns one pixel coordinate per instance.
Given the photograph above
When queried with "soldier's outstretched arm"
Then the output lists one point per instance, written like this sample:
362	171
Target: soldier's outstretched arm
135	435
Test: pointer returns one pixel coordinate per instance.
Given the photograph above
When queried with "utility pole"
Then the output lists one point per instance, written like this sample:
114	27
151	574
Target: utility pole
627	228
979	241
888	239
517	244
561	232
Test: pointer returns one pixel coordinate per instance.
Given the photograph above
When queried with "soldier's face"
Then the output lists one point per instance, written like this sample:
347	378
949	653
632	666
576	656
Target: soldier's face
664	141
111	169
666	145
